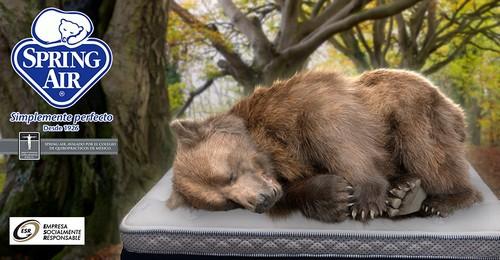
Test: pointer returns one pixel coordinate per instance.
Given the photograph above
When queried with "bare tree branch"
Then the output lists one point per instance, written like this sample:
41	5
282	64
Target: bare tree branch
418	36
417	20
465	29
458	50
250	28
353	50
339	46
463	21
432	24
363	40
388	40
455	14
296	41
351	7
459	18
405	46
484	48
289	23
378	41
317	7
492	36
308	45
322	17
193	94
262	10
233	63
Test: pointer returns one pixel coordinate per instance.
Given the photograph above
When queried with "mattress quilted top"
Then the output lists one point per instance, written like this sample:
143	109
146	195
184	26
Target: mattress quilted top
151	213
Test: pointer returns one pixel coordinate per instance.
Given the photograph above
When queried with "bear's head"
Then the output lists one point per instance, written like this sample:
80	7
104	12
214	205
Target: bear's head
68	29
218	167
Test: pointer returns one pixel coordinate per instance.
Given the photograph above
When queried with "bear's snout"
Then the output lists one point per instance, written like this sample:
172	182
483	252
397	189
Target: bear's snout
255	193
264	202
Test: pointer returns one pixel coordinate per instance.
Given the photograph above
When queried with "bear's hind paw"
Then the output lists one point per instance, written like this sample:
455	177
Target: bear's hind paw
405	198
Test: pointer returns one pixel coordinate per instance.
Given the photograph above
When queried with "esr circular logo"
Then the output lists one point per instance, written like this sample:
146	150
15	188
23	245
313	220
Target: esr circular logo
26	230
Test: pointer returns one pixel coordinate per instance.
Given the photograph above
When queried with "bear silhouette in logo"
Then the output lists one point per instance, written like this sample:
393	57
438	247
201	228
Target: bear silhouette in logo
71	32
53	26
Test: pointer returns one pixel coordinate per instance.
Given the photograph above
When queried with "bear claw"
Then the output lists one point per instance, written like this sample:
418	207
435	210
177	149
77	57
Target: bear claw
407	198
372	214
431	211
364	207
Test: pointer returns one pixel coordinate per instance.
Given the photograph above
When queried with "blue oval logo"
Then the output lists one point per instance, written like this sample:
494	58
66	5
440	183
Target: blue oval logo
61	62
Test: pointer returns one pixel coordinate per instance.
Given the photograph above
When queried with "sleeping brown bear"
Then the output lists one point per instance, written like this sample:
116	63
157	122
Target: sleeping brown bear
329	146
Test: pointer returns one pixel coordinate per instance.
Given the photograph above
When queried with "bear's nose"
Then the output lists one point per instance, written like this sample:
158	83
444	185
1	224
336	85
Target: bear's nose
264	202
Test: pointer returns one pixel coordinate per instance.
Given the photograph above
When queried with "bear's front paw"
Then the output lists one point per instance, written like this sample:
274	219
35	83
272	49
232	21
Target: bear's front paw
370	202
330	199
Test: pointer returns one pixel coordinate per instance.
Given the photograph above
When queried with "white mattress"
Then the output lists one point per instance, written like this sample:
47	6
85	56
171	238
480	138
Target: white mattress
150	227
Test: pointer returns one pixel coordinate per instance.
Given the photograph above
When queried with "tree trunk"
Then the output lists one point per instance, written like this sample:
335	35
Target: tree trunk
101	188
473	116
280	68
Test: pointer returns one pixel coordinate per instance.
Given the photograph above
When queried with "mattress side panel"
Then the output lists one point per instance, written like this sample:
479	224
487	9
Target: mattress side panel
475	246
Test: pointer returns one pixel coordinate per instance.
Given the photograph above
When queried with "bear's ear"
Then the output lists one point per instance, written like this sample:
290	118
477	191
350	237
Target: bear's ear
175	200
64	20
229	124
80	28
188	132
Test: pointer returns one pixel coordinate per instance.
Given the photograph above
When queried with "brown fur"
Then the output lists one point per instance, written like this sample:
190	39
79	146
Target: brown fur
302	142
